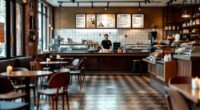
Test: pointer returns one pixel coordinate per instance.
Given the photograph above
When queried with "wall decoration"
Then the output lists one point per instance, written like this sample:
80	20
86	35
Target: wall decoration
80	21
137	20
90	20
123	20
105	20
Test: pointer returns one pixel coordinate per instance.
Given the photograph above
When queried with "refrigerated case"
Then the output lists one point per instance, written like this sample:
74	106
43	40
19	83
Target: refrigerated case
135	48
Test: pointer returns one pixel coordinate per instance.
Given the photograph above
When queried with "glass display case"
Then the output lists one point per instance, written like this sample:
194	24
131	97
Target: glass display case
135	48
74	48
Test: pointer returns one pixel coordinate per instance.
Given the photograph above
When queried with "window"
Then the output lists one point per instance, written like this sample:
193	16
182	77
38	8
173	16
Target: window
43	20
19	29
2	29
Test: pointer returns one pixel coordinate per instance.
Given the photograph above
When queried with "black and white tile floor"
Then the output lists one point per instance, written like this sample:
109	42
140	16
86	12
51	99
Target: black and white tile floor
113	92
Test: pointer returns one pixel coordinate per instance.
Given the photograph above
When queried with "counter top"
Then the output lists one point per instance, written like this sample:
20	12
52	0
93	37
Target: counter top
101	54
149	61
187	57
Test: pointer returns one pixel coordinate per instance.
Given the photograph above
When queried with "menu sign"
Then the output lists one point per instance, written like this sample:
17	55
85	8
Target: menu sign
123	20
137	20
105	20
80	20
91	20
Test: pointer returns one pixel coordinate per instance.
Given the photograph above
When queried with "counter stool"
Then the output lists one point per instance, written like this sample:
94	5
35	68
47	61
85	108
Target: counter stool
137	67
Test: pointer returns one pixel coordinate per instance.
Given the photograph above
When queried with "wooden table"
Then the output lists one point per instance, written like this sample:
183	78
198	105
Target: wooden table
27	75
53	64
188	92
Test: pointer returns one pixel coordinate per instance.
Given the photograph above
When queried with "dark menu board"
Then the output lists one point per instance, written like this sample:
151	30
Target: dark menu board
105	20
91	20
137	20
123	20
80	20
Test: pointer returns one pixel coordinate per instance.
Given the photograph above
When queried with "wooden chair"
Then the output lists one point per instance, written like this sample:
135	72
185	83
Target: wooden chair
7	90
180	80
5	105
58	85
19	84
175	100
35	66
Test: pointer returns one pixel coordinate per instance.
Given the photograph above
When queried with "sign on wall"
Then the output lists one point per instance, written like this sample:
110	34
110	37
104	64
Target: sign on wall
123	20
105	20
91	20
80	21
137	20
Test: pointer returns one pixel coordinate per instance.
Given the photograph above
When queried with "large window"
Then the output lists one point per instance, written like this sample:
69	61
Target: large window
19	29
2	28
43	19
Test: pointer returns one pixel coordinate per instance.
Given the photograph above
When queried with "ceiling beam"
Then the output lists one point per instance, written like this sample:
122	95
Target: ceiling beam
105	1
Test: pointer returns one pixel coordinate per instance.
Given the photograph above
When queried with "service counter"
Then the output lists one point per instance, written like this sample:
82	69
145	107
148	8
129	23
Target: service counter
106	61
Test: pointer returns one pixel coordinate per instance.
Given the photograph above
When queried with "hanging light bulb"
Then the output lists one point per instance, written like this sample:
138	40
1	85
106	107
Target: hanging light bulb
185	13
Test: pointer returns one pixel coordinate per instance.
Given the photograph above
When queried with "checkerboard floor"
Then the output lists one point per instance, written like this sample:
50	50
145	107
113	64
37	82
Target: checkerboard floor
112	92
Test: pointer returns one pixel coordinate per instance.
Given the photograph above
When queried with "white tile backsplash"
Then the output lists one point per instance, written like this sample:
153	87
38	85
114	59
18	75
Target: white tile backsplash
97	35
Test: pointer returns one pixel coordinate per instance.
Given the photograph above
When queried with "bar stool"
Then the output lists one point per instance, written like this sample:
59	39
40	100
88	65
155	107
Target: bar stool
137	66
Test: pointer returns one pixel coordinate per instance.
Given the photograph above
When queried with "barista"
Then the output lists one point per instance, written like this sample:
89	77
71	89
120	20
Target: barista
106	43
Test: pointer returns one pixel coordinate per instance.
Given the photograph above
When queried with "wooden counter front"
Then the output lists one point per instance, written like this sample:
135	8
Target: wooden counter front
106	61
188	65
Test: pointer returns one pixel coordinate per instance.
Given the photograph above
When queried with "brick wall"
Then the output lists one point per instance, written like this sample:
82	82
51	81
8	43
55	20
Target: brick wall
31	45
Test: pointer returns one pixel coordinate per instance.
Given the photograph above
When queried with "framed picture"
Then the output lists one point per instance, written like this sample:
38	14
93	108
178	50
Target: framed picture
123	20
137	20
80	21
90	21
105	20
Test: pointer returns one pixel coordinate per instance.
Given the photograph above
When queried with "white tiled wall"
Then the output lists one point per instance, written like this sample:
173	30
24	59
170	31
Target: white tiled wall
97	35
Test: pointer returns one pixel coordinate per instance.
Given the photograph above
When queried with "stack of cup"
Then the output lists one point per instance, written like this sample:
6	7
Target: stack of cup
195	83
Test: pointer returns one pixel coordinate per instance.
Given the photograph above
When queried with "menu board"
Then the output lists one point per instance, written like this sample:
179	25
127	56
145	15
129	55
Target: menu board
91	20
123	20
105	20
137	20
80	20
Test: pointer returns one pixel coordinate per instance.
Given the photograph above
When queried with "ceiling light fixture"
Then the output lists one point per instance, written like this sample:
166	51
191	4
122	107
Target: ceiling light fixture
73	1
107	6
140	8
78	4
92	4
147	1
185	13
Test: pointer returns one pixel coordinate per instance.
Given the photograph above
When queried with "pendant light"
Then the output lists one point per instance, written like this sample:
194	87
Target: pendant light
185	13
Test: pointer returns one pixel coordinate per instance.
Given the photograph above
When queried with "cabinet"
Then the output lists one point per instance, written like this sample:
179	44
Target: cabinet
166	70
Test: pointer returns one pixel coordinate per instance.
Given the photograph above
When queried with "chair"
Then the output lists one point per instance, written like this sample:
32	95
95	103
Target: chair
7	105
180	80
175	100
34	66
19	84
58	85
78	70
7	90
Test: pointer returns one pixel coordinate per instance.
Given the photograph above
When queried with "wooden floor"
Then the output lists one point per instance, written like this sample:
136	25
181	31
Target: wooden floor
112	92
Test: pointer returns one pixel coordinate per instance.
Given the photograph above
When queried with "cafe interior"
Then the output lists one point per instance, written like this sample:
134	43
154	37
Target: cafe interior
99	54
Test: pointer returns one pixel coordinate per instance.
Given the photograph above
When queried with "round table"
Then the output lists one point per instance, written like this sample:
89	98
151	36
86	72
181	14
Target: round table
54	64
27	75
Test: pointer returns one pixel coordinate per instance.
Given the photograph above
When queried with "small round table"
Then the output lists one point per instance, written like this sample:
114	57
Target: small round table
53	64
27	75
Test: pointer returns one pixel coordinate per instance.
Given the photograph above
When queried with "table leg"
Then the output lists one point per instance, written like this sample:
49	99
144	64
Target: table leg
27	90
